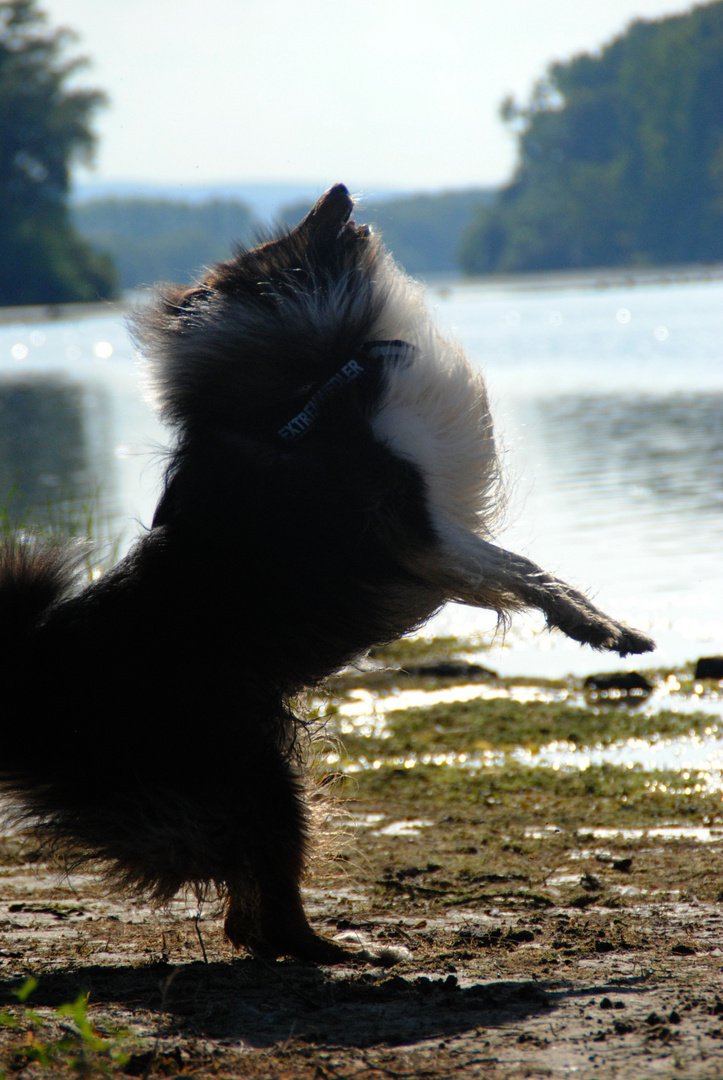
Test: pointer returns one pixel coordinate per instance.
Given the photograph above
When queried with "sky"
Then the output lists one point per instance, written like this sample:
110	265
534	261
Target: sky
382	94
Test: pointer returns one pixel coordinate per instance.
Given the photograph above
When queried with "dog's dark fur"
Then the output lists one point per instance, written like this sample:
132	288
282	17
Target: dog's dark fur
334	482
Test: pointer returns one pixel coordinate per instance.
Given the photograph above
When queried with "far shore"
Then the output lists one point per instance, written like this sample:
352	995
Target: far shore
596	278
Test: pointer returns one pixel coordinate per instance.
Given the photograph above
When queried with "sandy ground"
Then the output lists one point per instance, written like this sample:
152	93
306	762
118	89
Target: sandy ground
589	971
512	921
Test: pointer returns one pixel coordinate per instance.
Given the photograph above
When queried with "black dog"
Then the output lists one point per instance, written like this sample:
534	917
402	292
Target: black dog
334	482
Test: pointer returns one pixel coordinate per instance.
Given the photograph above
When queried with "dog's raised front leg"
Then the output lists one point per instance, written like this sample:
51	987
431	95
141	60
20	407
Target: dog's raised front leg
476	572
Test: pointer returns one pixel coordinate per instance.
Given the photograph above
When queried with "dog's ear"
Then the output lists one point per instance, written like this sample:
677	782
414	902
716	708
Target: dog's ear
175	299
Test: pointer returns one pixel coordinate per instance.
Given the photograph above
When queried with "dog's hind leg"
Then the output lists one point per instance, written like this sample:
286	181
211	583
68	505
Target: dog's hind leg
265	911
266	916
479	573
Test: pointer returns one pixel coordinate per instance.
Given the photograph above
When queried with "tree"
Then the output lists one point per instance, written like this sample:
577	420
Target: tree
621	156
44	129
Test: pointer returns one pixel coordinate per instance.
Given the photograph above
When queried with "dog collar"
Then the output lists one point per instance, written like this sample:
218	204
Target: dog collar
394	351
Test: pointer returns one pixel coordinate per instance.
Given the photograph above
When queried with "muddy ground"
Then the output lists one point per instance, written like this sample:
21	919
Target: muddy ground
509	922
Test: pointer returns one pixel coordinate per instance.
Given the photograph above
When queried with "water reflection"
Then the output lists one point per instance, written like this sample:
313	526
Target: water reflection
662	456
54	449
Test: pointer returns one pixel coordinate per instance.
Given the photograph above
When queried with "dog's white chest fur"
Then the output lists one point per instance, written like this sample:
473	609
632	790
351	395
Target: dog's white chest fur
435	412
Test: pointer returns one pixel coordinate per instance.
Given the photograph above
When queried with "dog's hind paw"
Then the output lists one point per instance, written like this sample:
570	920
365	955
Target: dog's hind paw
315	949
275	932
309	946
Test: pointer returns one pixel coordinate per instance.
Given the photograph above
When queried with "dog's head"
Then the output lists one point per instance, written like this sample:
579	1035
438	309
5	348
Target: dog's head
257	332
322	249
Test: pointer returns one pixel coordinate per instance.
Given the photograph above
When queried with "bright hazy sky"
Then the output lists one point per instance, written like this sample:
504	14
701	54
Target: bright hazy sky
378	93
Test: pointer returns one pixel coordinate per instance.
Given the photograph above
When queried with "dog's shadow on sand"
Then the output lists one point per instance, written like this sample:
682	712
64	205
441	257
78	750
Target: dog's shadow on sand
262	1004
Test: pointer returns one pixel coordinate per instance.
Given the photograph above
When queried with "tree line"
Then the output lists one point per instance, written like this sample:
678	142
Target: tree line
620	157
620	163
156	239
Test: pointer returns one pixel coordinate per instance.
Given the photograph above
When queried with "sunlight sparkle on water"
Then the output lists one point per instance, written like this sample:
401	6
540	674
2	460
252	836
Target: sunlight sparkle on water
702	834
368	709
366	713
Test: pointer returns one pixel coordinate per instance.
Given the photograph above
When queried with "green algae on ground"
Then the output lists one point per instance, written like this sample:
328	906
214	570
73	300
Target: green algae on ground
459	756
500	723
600	795
419	650
528	837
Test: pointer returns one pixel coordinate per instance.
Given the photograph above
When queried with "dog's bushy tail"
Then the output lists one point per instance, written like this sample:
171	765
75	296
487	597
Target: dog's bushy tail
33	577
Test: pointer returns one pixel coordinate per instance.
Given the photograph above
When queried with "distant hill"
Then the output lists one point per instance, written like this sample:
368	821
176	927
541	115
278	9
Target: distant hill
162	239
265	200
424	231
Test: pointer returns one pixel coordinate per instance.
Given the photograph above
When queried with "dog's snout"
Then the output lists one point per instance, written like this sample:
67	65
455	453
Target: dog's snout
332	211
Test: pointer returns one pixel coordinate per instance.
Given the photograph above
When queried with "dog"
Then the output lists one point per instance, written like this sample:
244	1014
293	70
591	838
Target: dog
333	483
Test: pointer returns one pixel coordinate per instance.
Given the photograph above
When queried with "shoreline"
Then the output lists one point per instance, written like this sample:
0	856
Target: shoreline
532	281
593	278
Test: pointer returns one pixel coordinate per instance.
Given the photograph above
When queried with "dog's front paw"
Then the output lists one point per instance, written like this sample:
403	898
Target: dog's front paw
601	632
629	641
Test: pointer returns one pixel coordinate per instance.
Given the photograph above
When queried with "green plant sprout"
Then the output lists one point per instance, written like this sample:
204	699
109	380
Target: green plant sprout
80	1048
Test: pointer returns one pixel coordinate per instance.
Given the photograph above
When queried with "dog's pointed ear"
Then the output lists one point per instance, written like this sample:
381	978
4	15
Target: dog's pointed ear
178	298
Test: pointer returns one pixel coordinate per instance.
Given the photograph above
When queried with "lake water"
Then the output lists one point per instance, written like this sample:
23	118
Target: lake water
608	400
